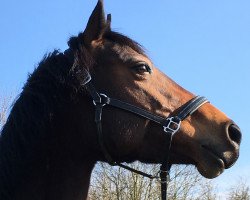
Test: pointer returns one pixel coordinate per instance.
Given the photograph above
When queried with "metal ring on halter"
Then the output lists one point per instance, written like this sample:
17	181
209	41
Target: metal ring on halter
102	95
173	126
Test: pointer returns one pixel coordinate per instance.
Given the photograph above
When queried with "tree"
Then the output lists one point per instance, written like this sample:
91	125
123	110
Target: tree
110	183
5	103
116	183
240	191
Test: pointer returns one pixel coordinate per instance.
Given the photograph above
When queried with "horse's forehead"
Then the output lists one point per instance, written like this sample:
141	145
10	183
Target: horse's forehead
126	54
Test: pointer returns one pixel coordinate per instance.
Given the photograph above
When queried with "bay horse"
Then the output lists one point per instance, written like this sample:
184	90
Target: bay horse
50	142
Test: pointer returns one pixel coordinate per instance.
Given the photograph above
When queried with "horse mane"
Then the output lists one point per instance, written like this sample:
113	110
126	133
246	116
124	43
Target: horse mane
30	122
55	82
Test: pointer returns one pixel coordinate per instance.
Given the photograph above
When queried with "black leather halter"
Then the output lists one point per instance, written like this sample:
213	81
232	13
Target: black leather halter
170	124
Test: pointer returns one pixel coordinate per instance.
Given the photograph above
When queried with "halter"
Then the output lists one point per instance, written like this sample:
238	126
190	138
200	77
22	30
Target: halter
170	125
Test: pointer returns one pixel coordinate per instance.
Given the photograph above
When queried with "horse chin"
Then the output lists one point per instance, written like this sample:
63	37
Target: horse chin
211	169
207	163
211	165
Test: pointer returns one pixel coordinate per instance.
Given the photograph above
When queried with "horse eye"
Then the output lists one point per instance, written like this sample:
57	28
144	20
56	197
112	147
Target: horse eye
142	68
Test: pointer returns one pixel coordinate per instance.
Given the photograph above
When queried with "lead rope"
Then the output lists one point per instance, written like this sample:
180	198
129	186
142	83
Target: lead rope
165	179
165	170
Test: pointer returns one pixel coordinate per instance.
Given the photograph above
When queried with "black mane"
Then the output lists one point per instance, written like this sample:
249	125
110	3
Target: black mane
30	123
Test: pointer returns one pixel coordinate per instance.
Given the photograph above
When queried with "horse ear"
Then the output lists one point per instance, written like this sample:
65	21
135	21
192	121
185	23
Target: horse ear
96	24
108	26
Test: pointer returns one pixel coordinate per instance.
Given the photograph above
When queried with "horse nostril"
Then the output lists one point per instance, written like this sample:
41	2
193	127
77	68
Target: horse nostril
234	133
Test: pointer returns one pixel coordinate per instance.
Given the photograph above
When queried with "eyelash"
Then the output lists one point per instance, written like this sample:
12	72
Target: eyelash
142	68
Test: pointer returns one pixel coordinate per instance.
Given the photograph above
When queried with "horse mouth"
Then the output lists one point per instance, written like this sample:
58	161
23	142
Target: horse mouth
213	153
213	165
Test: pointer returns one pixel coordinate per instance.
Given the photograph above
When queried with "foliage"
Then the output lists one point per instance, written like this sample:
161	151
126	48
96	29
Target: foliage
239	192
110	183
115	183
5	103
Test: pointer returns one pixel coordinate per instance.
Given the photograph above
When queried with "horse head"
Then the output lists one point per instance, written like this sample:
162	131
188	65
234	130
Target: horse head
121	69
50	142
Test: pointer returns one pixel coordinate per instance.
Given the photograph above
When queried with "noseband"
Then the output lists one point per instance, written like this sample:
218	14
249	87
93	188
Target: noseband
170	124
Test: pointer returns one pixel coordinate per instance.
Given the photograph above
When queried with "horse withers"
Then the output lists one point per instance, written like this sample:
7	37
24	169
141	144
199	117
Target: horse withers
51	140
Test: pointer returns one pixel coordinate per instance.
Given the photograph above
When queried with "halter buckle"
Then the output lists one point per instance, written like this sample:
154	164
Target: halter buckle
174	124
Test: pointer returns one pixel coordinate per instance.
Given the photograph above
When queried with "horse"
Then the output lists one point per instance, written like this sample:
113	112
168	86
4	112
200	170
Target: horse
61	125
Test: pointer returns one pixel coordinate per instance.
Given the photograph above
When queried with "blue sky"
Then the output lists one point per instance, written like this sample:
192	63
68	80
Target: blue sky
202	45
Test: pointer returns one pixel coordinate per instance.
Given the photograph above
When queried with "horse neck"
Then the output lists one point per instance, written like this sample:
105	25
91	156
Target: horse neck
44	154
66	182
45	166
